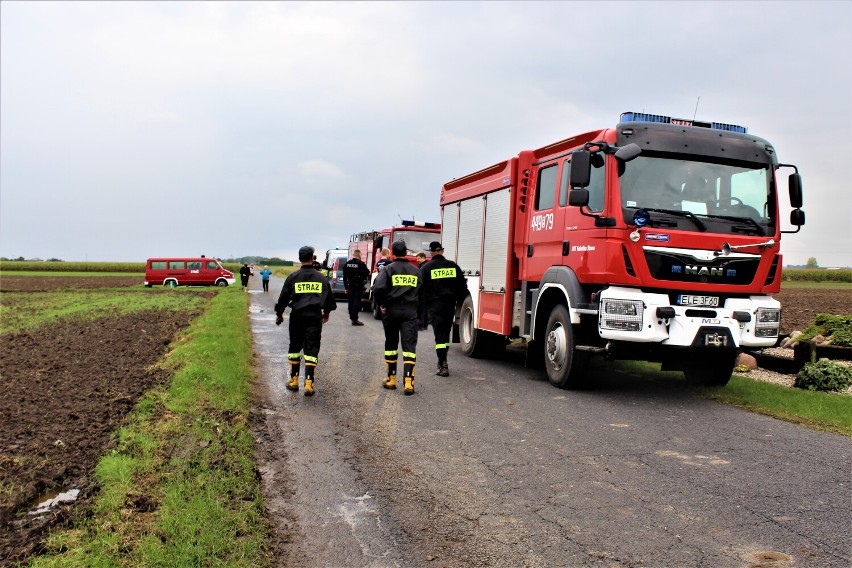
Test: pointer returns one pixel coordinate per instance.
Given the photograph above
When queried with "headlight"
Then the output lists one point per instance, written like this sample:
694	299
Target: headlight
621	315
767	322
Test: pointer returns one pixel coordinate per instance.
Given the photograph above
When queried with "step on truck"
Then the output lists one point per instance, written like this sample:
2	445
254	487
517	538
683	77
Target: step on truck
656	240
417	236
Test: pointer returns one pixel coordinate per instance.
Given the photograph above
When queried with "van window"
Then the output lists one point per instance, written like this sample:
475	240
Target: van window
158	265
212	265
176	265
194	265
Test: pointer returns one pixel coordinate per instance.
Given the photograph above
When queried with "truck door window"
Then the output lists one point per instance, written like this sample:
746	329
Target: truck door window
596	184
546	190
212	265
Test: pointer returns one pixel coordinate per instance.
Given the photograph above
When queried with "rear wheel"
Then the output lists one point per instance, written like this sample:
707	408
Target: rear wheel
474	342
170	284
711	371
565	365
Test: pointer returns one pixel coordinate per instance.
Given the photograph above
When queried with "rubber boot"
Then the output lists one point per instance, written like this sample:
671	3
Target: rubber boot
409	385
309	387
390	382
443	369
293	385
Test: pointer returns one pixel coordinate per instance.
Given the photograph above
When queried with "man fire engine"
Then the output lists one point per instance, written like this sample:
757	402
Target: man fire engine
655	240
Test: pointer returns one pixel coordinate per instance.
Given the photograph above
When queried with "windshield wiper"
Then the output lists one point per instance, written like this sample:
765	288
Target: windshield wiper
679	213
754	223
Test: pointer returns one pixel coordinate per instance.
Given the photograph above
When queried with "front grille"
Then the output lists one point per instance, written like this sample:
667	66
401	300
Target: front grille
675	267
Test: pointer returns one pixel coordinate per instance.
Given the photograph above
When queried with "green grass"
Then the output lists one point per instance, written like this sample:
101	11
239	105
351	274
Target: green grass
62	266
57	273
828	412
25	311
806	284
187	454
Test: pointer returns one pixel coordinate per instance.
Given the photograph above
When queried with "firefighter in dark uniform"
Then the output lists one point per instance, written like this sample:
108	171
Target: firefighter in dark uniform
355	278
444	286
307	292
396	289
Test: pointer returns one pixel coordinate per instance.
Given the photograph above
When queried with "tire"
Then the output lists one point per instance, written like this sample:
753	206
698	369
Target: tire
565	366
169	284
222	283
474	342
712	371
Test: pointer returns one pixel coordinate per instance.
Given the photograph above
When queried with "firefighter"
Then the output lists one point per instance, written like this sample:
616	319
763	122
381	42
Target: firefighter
309	296
444	285
355	278
396	290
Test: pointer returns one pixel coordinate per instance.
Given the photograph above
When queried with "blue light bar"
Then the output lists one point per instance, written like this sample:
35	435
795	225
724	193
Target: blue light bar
645	117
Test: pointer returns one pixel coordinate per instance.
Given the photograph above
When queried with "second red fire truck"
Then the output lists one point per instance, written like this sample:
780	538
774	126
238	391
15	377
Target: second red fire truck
417	237
654	240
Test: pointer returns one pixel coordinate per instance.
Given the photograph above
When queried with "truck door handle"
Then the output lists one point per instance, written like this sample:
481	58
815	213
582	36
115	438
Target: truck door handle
530	249
566	248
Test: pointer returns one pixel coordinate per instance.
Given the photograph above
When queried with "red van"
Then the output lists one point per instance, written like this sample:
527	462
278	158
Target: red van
186	271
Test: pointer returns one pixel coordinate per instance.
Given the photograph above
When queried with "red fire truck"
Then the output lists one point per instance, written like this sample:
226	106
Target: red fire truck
417	237
656	240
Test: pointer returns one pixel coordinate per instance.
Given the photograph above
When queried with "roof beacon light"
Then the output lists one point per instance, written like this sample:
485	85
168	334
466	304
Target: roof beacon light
645	117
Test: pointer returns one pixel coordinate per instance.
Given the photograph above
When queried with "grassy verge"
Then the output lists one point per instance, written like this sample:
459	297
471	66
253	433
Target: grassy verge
179	488
828	412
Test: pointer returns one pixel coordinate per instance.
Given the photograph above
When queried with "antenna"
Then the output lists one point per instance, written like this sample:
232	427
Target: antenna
696	108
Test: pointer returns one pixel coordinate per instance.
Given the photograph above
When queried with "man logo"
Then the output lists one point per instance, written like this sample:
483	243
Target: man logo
704	271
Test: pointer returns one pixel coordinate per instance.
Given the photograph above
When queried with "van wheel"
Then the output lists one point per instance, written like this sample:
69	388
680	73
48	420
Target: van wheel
170	284
565	365
222	283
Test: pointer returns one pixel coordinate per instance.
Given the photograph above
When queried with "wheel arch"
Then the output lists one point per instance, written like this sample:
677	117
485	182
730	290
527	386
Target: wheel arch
559	285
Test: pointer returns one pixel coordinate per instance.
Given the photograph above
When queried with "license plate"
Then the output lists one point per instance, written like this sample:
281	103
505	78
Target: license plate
689	300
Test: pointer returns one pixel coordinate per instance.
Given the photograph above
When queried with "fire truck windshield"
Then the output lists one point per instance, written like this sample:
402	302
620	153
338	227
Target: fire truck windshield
416	241
730	198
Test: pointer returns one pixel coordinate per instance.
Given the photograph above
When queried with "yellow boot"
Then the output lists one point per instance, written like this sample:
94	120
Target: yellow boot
293	385
309	387
390	382
409	385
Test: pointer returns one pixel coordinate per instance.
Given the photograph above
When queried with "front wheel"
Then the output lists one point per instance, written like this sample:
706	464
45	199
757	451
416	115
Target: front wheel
565	365
222	283
712	371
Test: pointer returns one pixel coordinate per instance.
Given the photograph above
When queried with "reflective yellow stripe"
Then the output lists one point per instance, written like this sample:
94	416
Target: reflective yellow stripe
391	353
294	355
409	355
442	273
442	345
308	288
309	359
404	280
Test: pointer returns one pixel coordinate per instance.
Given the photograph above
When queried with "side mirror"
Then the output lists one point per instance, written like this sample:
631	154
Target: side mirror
578	197
795	186
797	217
628	152
581	168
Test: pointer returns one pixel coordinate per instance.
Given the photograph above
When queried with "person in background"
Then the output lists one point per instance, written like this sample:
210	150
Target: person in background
384	260
422	312
444	285
396	290
245	273
265	273
308	294
356	275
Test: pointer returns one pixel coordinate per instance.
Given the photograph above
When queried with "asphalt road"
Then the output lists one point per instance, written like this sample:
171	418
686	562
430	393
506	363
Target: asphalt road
493	466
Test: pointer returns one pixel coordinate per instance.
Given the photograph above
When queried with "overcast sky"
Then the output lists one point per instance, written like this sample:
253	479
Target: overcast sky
131	130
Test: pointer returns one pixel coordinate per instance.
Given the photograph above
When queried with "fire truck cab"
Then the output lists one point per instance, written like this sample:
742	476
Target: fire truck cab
655	240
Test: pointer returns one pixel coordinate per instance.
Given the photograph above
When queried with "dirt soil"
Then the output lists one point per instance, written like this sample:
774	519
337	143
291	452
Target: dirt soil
64	390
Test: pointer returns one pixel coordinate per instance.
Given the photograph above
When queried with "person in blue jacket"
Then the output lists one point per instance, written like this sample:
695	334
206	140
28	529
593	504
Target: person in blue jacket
264	277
